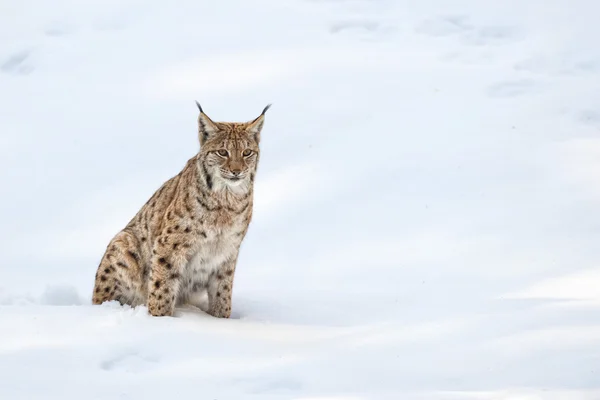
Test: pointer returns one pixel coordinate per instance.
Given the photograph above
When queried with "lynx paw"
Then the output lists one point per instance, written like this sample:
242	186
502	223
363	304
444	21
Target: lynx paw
220	311
160	305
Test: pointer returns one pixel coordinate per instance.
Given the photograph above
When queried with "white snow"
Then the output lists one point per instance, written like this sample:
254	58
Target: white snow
426	221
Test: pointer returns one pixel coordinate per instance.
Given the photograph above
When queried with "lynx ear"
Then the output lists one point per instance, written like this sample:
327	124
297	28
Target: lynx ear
255	126
206	127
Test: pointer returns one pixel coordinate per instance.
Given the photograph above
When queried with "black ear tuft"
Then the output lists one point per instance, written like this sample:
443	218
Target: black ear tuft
265	110
200	107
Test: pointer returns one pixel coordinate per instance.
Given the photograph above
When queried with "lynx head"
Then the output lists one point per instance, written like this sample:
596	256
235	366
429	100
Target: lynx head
229	151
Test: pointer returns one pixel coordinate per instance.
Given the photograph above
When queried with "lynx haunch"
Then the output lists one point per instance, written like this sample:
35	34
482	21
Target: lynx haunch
184	242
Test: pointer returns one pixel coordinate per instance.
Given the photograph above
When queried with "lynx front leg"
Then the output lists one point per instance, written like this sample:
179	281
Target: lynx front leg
220	288
164	283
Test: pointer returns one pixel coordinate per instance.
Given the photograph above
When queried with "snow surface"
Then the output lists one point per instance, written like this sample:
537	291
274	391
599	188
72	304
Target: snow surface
426	221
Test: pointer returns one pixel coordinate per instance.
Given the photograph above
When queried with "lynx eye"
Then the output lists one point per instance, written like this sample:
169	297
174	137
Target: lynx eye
222	153
246	152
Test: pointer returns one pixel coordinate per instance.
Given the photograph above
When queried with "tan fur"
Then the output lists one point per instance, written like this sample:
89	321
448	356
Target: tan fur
184	242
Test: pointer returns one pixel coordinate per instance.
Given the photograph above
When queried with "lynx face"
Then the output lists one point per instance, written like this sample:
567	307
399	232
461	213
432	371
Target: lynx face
233	156
230	150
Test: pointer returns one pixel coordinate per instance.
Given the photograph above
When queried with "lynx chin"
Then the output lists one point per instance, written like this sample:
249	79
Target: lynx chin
183	244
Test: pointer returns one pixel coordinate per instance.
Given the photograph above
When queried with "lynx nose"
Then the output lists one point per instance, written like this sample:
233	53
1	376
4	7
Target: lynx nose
235	168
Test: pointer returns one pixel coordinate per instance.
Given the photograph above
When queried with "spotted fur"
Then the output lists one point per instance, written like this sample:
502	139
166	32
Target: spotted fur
183	244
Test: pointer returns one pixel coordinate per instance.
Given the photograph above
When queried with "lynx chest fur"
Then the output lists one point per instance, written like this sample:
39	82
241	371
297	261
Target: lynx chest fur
217	247
184	242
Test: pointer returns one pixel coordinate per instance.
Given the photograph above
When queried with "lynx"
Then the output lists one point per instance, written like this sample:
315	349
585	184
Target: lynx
183	244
